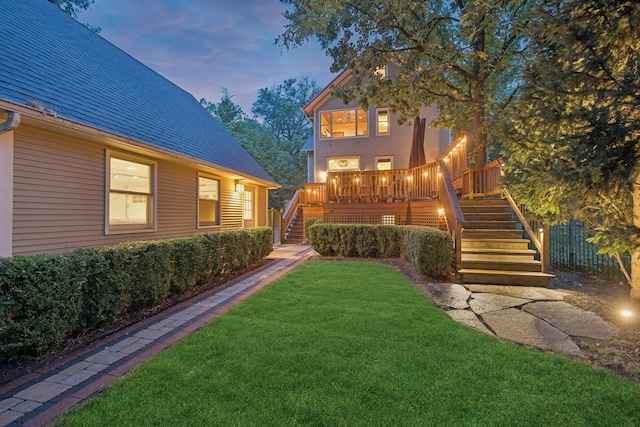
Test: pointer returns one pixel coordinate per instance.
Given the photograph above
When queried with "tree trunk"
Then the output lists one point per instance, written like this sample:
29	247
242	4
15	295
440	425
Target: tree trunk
635	257
478	99
479	134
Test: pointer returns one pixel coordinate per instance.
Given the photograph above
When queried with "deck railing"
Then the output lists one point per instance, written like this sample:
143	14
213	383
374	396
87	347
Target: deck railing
379	186
452	210
289	211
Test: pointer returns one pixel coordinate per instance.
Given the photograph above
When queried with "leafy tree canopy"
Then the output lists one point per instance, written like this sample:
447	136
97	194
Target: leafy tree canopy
572	136
456	53
279	110
275	134
73	7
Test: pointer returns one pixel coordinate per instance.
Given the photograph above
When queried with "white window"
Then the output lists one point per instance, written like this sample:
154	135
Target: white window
382	121
130	189
384	163
350	163
343	123
382	71
248	205
208	202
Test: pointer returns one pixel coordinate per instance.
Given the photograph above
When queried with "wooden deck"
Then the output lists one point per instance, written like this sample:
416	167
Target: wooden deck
430	195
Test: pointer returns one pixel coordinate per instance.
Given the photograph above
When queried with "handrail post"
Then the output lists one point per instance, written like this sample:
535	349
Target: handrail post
545	242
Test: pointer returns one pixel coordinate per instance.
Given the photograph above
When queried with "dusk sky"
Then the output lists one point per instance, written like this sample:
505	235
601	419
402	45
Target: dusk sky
203	45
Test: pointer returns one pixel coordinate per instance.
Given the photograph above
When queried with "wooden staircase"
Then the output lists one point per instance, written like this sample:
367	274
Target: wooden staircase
295	231
493	250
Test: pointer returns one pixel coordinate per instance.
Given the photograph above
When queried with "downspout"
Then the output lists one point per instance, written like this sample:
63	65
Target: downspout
12	122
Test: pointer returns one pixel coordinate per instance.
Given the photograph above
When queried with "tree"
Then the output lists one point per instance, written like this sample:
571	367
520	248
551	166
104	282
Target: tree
279	110
456	53
261	140
73	7
226	110
573	136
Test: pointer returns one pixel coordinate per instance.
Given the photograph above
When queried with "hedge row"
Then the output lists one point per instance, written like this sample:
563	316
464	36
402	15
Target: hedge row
46	298
428	249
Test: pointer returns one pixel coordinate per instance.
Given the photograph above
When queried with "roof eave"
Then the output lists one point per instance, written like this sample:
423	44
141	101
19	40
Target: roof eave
30	113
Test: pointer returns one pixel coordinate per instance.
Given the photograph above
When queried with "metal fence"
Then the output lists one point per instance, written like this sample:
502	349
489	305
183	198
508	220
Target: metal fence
571	251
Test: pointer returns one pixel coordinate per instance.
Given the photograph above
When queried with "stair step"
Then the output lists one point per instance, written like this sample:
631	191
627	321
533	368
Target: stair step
490	224
499	255
488	233
474	202
493	264
501	277
513	244
488	216
486	209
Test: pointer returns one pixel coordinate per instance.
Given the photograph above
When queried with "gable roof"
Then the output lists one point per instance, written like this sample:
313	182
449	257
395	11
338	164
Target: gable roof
51	61
308	144
340	80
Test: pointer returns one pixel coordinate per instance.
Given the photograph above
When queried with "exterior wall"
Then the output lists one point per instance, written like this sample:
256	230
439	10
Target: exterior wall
397	143
59	196
6	193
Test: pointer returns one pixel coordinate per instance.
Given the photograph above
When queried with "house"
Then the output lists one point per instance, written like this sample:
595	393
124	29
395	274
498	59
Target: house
348	138
98	149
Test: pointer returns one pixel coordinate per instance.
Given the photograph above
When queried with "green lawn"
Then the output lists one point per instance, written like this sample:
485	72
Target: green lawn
342	343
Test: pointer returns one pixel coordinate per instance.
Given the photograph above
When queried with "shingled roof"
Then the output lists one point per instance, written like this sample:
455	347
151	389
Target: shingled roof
50	60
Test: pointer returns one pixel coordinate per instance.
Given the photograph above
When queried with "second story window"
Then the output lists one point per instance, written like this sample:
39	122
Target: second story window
343	123
382	122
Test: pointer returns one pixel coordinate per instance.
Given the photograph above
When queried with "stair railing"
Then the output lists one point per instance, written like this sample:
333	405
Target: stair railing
452	209
539	237
289	212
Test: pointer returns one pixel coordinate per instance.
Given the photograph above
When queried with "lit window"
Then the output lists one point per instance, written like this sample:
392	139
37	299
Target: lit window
208	202
382	120
248	205
343	124
382	71
131	189
343	164
384	163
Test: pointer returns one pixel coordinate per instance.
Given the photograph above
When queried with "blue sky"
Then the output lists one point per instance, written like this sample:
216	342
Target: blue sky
203	45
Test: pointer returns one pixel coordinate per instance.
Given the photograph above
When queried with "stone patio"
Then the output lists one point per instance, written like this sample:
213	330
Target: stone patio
536	317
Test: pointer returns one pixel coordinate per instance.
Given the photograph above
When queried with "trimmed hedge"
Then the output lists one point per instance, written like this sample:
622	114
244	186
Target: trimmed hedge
428	249
44	299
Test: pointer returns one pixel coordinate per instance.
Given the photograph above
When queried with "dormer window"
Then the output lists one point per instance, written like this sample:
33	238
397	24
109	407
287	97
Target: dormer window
343	123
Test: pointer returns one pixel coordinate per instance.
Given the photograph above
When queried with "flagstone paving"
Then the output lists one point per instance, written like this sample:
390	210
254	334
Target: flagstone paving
532	316
36	398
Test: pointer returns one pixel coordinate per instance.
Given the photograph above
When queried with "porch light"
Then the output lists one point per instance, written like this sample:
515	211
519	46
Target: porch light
409	178
439	174
441	211
425	174
239	186
627	314
323	176
384	179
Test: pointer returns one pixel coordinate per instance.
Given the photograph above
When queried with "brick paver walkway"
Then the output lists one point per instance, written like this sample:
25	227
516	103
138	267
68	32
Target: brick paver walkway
40	396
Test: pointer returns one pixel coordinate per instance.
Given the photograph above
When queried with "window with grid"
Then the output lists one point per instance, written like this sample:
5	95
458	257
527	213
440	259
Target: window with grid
208	202
131	189
343	123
